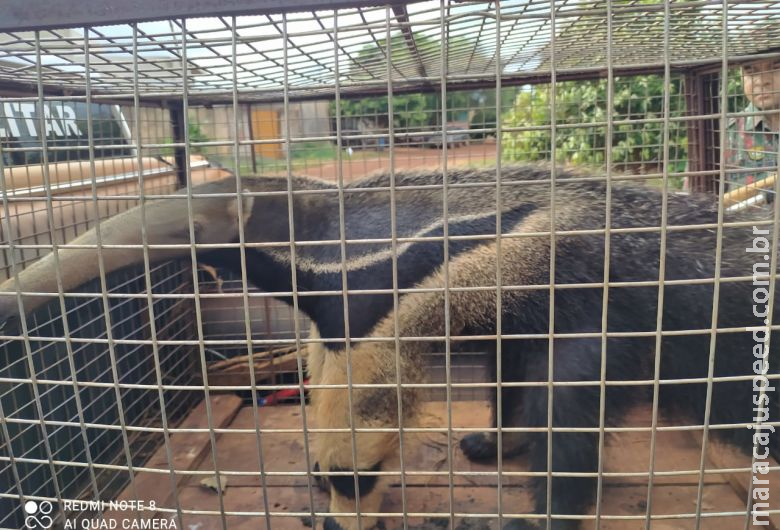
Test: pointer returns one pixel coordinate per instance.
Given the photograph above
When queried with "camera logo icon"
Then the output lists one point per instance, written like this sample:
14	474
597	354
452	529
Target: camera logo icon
38	515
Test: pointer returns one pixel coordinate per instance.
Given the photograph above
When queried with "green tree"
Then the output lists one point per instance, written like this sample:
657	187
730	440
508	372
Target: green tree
417	111
195	134
581	116
736	93
414	112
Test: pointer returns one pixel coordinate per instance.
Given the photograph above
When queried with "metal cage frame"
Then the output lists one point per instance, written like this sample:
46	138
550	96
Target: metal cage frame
64	53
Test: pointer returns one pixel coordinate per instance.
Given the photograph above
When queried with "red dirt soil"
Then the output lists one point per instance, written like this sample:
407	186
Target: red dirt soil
364	163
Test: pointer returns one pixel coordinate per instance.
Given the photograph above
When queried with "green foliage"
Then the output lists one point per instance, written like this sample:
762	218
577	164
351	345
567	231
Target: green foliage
581	117
736	100
313	151
196	134
411	112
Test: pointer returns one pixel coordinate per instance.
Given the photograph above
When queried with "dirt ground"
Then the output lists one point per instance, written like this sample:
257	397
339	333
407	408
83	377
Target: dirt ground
438	492
366	162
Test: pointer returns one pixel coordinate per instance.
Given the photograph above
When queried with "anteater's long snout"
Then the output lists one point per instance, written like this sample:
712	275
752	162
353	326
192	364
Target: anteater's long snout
167	221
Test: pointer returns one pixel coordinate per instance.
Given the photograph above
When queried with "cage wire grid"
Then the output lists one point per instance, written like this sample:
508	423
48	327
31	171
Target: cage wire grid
147	69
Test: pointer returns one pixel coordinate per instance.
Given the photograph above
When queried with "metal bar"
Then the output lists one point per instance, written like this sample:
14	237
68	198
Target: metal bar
351	90
394	270
551	314
244	280
344	285
65	326
401	14
149	286
661	292
607	246
347	430
445	267
22	15
499	277
184	169
718	263
294	276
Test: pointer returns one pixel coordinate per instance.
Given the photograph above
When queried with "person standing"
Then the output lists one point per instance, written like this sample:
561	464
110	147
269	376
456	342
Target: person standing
753	140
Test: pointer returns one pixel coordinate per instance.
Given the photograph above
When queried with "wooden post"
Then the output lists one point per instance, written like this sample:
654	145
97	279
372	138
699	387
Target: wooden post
251	137
699	156
178	124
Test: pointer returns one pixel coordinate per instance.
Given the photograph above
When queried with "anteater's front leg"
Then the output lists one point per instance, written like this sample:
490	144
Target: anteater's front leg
341	454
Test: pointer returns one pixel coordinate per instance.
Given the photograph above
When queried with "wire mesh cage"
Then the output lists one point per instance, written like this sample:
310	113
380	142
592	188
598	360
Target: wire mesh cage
419	264
97	400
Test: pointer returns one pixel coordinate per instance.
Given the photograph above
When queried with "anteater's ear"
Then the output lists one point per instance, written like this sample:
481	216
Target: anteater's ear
246	206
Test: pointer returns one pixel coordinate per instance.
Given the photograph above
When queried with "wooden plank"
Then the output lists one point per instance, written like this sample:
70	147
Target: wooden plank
284	452
26	178
748	191
722	456
619	500
267	364
242	360
188	450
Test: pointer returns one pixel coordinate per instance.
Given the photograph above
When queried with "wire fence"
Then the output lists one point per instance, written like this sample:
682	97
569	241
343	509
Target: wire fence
97	386
78	423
